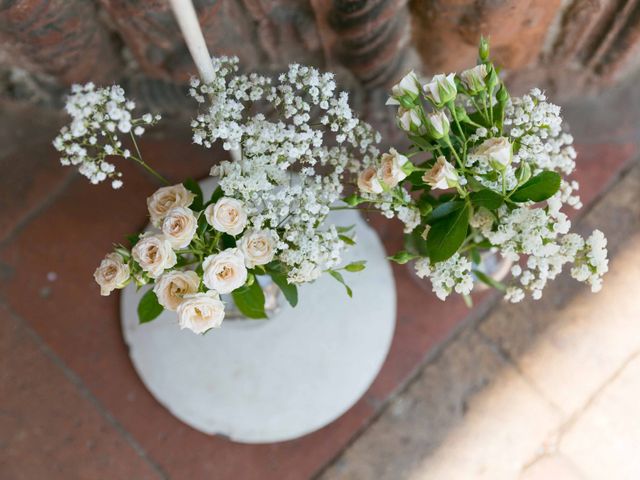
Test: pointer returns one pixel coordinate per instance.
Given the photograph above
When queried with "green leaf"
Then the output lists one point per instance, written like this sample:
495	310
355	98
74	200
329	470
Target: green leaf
216	195
444	210
484	278
486	198
402	257
538	188
149	308
133	238
353	200
347	240
447	235
250	300
475	256
356	266
338	276
194	188
289	290
415	178
345	229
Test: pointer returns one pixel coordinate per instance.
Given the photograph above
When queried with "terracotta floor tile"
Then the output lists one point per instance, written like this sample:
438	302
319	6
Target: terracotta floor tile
48	429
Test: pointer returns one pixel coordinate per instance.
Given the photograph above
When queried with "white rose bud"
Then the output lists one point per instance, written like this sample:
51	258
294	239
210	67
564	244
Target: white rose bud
441	89
368	181
201	311
225	271
391	171
409	87
111	274
496	151
258	247
227	215
179	227
166	199
154	254
442	175
173	286
438	125
409	120
474	78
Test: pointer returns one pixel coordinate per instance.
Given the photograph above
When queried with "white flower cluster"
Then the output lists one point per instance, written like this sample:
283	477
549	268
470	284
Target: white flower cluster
99	116
312	116
454	274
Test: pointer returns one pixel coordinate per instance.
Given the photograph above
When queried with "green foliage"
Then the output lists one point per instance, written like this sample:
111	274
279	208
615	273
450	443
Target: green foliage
289	290
444	210
538	188
354	200
486	279
149	308
250	300
356	266
338	276
198	202
447	234
402	257
486	198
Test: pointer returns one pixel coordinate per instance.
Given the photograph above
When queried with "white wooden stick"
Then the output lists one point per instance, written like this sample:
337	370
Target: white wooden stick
188	22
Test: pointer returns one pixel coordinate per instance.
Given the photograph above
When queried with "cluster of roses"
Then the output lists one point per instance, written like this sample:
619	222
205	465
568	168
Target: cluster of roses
494	160
184	240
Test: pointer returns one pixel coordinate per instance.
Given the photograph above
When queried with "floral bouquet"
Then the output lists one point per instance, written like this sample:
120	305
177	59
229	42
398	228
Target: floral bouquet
268	215
486	172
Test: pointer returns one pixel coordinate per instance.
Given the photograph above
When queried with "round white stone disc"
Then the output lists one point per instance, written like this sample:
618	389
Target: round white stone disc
261	381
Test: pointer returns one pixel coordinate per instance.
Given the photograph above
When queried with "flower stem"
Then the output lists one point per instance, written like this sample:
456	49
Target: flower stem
139	160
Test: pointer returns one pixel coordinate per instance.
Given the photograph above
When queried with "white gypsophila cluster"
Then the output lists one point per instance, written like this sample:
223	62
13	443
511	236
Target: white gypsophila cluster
99	116
541	236
292	167
535	126
453	274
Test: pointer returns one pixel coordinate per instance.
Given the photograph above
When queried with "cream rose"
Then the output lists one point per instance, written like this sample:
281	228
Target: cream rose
166	199
154	254
225	271
368	181
258	247
391	171
474	78
441	89
200	311
173	286
442	175
408	86
179	226
227	215
497	151
111	274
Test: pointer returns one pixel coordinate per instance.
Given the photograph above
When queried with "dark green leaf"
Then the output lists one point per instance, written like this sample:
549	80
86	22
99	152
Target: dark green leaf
149	308
354	200
486	198
402	257
486	279
347	240
538	188
415	178
447	234
194	188
133	238
250	300
338	277
444	210
289	290
356	266
228	241
216	195
475	256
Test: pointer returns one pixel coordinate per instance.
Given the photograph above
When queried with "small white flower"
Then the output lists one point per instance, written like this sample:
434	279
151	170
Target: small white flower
227	215
179	227
166	199
199	312
172	286
154	254
442	175
111	274
258	247
225	271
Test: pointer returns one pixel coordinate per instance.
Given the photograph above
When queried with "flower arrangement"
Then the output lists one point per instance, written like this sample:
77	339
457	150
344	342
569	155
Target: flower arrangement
268	214
485	171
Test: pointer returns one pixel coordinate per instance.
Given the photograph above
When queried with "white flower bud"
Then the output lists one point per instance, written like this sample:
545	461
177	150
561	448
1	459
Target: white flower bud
438	125
442	175
441	89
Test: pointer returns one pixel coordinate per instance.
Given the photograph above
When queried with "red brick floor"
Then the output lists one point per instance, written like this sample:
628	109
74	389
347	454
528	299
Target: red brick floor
71	405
